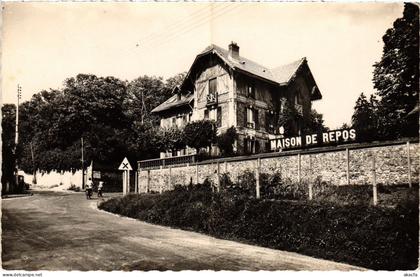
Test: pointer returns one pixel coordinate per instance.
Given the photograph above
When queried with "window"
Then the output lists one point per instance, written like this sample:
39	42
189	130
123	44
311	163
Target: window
219	117
269	121
250	118
257	146
206	114
173	122
250	91
298	98
250	145
213	86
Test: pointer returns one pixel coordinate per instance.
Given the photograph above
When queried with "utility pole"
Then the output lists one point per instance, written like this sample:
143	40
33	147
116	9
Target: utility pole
33	165
19	95
83	167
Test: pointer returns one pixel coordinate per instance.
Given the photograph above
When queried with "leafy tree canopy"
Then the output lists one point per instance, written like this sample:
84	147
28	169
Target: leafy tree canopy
226	140
104	111
396	76
200	134
365	119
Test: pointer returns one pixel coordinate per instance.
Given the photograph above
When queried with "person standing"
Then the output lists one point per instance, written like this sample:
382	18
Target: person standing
100	186
89	188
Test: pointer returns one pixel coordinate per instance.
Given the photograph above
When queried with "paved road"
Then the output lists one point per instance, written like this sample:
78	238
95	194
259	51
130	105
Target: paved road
64	231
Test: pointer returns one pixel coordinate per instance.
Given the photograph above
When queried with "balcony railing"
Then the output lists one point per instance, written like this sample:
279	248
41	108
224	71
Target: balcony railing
166	162
299	109
211	99
250	125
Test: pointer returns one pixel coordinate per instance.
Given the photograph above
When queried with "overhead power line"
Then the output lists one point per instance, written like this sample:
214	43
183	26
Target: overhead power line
214	13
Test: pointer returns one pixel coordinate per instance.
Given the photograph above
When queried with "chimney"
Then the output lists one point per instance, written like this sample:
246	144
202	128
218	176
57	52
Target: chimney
233	50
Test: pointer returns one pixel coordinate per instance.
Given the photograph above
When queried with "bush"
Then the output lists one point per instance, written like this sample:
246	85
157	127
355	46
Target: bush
373	237
274	187
226	140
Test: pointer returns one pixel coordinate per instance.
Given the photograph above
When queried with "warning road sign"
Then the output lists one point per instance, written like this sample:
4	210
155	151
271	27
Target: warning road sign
125	165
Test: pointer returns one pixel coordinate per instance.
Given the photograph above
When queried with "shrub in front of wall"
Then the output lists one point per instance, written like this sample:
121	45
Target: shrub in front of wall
344	195
273	186
373	237
246	184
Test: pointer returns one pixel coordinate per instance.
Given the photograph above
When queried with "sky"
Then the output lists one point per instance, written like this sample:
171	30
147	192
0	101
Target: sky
45	43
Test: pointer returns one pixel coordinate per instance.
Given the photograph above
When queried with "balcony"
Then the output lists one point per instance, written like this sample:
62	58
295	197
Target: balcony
211	99
250	125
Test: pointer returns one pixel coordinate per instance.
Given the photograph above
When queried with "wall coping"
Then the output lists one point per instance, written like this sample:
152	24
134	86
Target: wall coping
307	151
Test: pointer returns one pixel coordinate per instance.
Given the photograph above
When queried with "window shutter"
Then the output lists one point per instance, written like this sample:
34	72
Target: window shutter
219	116
257	123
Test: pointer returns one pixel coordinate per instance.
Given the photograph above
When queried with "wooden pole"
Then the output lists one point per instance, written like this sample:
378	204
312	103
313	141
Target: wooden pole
33	165
170	178
348	166
136	182
257	178
123	183
299	168
148	181
375	191
409	164
161	179
310	178
128	181
218	176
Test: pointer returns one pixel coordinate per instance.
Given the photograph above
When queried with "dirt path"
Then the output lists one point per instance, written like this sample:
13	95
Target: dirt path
64	231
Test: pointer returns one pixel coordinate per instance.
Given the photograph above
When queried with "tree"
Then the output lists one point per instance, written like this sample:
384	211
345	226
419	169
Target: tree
396	76
315	124
175	81
226	140
288	119
364	118
8	112
147	92
200	134
144	94
171	139
54	122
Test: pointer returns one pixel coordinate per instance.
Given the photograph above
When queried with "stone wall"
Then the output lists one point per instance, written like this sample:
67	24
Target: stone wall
326	164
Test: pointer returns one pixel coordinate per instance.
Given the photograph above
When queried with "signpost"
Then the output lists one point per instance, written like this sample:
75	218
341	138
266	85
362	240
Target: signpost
332	137
126	167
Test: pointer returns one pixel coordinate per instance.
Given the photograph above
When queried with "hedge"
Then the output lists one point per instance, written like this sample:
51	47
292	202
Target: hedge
378	238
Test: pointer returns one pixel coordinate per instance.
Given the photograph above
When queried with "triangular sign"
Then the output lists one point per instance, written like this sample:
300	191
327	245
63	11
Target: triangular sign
125	165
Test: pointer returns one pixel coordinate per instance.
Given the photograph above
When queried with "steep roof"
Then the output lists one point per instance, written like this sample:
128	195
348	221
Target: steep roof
177	100
279	75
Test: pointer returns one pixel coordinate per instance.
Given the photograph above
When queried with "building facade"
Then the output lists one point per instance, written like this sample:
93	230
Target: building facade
234	91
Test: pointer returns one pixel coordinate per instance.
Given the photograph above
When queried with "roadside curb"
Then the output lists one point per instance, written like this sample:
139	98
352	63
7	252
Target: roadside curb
14	196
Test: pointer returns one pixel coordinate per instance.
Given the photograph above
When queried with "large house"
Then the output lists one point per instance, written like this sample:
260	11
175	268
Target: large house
223	86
